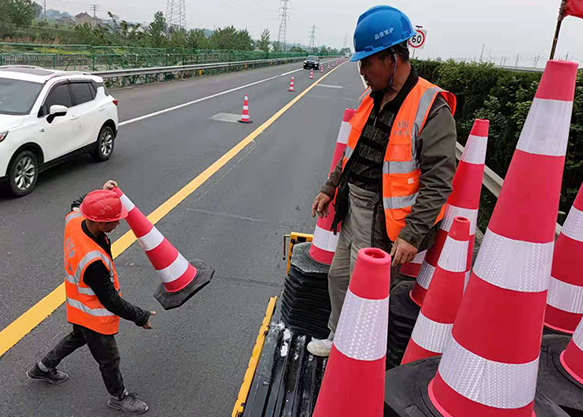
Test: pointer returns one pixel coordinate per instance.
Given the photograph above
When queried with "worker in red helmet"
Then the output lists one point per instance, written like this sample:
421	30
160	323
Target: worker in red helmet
94	302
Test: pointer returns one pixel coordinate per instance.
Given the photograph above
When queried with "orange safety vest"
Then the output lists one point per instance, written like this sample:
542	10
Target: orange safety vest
401	168
83	306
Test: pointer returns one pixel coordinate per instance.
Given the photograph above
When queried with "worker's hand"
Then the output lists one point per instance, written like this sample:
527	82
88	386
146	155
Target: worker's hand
402	252
148	325
110	185
320	205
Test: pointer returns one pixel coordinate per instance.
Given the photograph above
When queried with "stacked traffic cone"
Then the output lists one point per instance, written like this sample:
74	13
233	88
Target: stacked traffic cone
490	364
565	299
181	279
354	382
245	115
463	201
311	74
325	241
435	321
411	269
291	88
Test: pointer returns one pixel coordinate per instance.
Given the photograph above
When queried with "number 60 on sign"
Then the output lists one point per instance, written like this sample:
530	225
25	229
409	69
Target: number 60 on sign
418	40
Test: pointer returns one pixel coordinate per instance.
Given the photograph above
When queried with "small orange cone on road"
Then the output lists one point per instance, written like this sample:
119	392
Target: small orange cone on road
245	114
291	88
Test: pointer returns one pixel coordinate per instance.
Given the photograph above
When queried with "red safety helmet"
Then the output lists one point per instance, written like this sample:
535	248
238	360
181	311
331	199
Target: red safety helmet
103	206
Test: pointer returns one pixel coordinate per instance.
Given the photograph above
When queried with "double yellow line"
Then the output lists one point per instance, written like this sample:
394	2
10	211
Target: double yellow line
20	327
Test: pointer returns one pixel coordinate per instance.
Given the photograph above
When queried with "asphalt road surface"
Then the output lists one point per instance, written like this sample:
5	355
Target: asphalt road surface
192	363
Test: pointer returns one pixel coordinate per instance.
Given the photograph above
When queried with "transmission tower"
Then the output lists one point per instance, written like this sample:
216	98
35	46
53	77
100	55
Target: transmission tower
176	13
283	23
95	8
312	36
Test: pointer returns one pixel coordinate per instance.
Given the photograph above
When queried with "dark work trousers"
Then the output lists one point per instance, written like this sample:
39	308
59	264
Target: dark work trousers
102	347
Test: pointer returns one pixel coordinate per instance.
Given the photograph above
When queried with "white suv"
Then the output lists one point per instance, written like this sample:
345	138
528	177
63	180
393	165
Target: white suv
47	116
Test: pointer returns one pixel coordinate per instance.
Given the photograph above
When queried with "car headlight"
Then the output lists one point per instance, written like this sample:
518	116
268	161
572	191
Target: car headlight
3	135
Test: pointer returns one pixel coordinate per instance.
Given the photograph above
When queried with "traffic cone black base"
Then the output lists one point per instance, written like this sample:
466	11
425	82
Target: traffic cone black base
554	381
406	393
247	122
303	261
170	300
403	314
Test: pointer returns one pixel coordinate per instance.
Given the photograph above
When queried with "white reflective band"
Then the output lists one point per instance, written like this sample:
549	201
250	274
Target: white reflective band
419	258
425	275
72	216
325	239
573	227
431	335
127	203
348	152
467	281
566	297
175	269
546	130
578	336
514	264
475	150
451	212
97	312
344	133
454	255
151	240
81	290
362	328
495	384
392	203
400	167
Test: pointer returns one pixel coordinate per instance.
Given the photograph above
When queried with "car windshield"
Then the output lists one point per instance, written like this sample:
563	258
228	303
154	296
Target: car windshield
313	58
17	97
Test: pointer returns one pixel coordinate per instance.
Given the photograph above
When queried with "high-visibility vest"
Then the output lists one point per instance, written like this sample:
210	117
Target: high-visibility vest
401	169
83	306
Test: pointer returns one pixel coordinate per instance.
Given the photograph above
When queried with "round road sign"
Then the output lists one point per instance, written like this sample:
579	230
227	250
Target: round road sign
418	40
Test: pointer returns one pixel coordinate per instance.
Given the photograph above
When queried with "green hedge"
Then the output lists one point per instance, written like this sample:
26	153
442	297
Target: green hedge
504	97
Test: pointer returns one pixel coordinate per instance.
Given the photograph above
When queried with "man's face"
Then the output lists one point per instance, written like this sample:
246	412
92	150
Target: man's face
107	227
376	71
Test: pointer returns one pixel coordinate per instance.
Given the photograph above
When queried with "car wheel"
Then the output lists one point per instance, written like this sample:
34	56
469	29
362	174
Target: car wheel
104	145
23	174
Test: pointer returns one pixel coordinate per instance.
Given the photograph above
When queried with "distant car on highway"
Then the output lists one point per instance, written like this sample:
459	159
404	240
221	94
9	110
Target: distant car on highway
313	62
347	55
48	116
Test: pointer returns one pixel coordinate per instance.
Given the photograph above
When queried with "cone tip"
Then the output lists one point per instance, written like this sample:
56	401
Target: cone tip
480	128
460	229
372	274
558	81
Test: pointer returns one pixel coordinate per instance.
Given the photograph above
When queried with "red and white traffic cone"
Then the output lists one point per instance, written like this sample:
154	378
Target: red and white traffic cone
311	74
565	301
181	279
411	269
572	357
328	65
435	321
245	114
321	69
291	88
354	381
325	241
490	364
464	201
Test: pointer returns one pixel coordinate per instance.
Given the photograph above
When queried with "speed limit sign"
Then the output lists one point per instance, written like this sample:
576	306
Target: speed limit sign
418	40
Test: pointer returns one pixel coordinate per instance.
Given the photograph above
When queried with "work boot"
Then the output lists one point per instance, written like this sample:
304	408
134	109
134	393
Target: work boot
52	375
128	403
321	347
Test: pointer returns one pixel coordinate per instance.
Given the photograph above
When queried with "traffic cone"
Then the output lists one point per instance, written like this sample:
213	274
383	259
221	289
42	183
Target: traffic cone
565	300
490	364
354	383
572	357
181	279
325	241
321	69
311	74
245	115
328	65
435	321
411	269
464	201
291	85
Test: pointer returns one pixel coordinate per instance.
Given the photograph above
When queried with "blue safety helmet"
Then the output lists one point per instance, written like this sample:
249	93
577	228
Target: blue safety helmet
380	28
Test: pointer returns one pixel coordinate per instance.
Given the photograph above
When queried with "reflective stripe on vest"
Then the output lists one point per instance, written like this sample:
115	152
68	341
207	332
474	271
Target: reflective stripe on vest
72	215
401	166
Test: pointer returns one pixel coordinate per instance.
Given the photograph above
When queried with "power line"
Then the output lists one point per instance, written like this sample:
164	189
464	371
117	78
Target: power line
176	13
283	24
312	36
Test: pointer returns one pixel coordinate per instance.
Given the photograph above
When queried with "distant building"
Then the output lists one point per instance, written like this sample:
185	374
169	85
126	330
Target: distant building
85	18
66	21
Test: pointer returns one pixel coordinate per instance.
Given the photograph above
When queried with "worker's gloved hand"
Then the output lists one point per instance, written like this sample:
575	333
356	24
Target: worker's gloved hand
402	252
110	185
148	325
320	205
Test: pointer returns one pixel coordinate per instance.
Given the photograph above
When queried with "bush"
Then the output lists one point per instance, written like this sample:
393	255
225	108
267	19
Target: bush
504	97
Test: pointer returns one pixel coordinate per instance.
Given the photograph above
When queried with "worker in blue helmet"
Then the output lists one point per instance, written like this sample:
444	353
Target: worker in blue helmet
396	175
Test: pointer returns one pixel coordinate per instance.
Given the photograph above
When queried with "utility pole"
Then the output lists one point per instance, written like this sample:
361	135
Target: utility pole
95	7
45	6
517	59
312	37
482	53
567	57
283	23
176	14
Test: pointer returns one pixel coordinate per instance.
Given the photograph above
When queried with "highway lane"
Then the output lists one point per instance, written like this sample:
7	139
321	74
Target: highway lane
193	362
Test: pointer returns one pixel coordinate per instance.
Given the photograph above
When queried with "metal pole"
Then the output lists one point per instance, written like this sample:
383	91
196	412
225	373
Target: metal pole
482	53
556	38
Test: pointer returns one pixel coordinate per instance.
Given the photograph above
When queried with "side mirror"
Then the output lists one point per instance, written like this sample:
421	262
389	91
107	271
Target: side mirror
56	111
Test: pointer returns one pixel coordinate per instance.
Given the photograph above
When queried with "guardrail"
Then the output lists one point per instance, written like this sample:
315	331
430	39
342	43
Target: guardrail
493	182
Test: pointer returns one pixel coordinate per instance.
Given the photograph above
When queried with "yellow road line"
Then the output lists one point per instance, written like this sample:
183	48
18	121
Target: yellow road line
20	327
254	360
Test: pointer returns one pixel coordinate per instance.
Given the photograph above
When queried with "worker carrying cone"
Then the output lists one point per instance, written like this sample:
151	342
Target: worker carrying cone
93	297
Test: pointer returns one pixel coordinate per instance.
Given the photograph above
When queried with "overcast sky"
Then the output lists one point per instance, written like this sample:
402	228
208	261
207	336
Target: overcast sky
456	28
